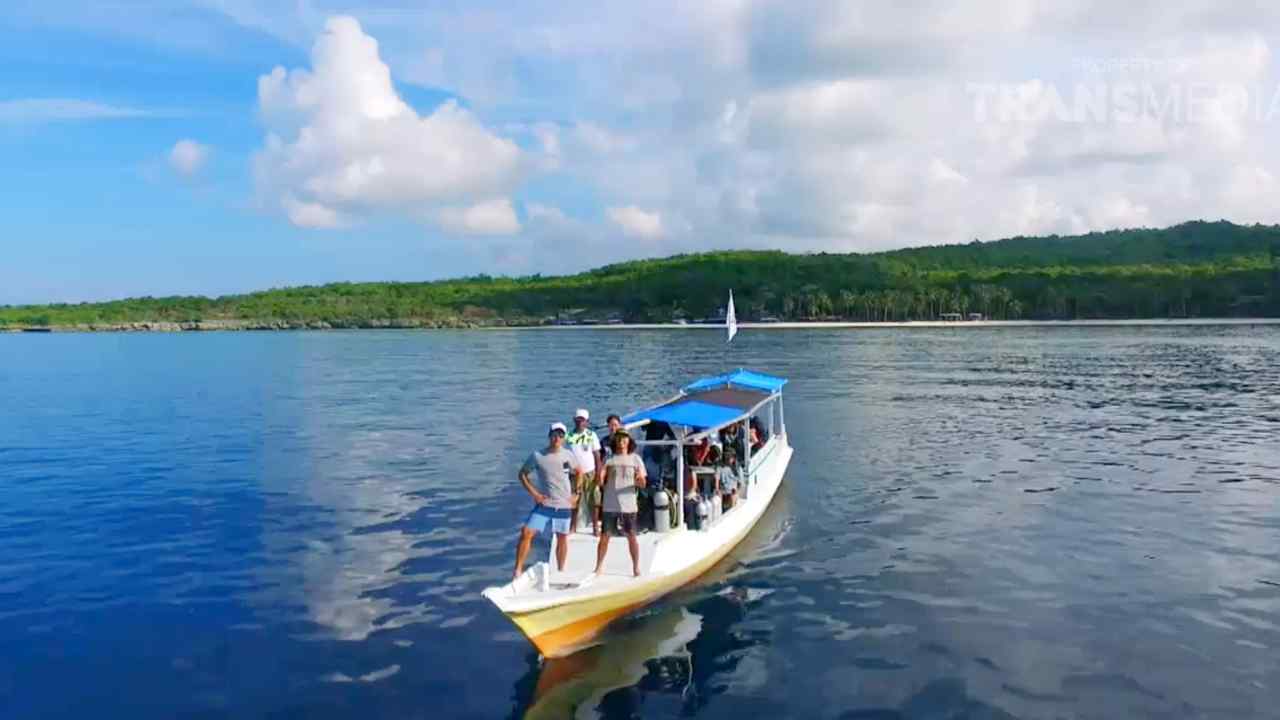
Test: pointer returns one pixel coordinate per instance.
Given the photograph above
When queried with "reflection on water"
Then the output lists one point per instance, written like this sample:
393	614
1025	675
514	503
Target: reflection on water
671	660
353	482
1024	522
573	686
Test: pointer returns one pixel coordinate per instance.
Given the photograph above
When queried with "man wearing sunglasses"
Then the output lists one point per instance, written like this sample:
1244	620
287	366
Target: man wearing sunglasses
549	476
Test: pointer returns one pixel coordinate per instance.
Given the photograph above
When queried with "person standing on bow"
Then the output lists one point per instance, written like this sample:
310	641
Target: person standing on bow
585	446
622	474
557	473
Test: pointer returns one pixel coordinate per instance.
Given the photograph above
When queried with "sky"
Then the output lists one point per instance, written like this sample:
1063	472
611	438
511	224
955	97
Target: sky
158	147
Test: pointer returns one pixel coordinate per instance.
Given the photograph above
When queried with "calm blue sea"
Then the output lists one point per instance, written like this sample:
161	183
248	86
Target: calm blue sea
1073	522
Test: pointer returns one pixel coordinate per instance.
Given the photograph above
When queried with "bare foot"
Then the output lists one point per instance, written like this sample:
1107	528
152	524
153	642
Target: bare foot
636	571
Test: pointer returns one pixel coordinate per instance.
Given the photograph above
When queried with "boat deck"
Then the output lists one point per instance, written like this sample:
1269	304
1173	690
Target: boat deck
583	544
578	576
582	555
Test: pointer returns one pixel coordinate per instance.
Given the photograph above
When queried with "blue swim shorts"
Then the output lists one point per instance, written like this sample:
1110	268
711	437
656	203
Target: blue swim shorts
542	516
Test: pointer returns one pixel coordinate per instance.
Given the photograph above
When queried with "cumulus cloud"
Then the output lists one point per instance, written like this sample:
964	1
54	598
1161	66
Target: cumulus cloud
343	144
636	223
188	157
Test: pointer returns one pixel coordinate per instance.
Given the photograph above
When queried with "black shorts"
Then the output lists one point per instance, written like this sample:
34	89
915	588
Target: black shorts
620	523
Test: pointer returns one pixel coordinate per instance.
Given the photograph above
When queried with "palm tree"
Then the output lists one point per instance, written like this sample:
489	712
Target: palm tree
821	304
846	303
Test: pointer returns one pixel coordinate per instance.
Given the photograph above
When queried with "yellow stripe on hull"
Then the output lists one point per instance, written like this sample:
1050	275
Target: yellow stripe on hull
564	628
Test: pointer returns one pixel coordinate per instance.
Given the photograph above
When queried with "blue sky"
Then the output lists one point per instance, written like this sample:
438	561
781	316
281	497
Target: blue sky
155	148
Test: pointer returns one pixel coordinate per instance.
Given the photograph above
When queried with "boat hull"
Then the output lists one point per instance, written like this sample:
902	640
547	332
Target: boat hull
563	627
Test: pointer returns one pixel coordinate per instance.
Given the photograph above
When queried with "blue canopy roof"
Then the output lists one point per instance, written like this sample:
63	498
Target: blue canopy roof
738	378
713	401
690	413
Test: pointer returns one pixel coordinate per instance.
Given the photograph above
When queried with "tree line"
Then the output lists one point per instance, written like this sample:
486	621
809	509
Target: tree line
1197	269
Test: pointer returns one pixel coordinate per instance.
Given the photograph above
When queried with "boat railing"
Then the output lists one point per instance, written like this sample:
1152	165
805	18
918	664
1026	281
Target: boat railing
758	457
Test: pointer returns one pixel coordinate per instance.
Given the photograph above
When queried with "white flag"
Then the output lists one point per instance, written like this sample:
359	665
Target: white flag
731	319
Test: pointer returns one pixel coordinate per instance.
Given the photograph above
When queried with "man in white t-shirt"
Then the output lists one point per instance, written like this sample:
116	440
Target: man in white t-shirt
585	446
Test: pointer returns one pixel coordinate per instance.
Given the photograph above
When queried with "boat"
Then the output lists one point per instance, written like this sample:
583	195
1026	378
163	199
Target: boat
561	611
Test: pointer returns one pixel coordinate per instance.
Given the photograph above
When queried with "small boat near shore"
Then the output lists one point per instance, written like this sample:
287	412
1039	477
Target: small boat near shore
563	610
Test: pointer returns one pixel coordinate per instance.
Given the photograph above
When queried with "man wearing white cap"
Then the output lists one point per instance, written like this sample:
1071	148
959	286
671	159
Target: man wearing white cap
585	446
557	473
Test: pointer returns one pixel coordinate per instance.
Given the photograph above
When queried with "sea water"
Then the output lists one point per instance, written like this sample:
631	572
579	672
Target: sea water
1006	522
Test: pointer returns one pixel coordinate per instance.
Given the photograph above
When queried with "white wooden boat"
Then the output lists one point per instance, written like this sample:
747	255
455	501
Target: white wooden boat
561	611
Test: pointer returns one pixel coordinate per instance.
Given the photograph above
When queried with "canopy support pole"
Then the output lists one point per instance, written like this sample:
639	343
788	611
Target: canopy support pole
746	444
680	477
782	416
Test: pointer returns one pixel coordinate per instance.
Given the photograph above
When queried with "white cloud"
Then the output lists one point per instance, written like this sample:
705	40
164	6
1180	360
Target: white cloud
188	157
549	136
942	174
1115	210
311	215
342	143
601	140
35	110
842	111
636	223
492	217
793	123
800	124
538	212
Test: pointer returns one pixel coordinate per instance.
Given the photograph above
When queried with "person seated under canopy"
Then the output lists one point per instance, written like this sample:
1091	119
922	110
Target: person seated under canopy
732	436
757	433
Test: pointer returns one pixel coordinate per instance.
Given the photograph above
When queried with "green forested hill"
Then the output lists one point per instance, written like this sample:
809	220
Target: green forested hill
1197	269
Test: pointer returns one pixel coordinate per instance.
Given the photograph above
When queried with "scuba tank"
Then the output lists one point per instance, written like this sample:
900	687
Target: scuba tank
661	516
717	506
704	514
692	519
